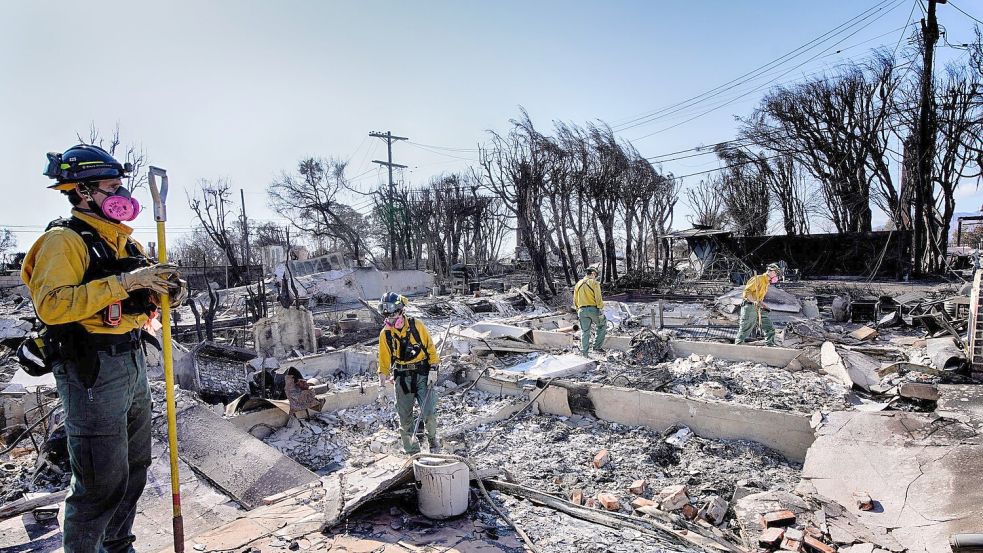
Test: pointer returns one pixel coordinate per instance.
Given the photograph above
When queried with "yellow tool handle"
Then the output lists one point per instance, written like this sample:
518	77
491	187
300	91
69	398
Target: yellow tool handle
165	319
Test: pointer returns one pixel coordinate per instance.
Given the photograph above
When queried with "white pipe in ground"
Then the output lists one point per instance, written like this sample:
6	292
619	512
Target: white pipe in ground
442	487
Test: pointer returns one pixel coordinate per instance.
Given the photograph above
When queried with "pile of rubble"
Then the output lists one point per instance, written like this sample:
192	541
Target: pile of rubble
328	441
618	468
744	382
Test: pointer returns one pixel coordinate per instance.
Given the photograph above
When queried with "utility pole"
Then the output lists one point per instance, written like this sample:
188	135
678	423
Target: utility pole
389	138
245	235
925	143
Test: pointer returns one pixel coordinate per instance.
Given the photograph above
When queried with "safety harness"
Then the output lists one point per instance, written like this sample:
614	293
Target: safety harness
403	352
48	344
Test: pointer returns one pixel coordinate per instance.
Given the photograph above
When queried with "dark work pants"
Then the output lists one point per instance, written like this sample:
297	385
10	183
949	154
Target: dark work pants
108	427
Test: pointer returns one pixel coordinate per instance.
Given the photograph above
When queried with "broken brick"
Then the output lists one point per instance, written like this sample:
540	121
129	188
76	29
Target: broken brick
794	534
640	502
778	518
689	511
817	546
714	510
673	497
771	537
590	503
791	545
577	497
609	501
602	458
863	500
638	487
814	532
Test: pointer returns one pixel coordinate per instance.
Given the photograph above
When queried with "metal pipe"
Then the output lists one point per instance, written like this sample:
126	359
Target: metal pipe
966	543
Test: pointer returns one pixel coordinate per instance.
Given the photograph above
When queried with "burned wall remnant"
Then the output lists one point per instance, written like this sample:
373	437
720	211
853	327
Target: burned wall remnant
220	372
288	330
848	253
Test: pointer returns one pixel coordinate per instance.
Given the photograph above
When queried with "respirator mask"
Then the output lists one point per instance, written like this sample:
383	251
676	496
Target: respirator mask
118	206
395	321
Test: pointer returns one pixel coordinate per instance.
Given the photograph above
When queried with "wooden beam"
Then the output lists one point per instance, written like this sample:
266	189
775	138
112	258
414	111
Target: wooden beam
22	506
619	521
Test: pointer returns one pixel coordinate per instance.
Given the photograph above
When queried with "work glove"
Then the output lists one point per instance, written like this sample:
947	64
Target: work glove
178	291
149	278
432	376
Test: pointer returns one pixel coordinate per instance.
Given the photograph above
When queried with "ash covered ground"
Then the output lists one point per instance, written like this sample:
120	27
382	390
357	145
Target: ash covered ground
555	454
706	377
329	441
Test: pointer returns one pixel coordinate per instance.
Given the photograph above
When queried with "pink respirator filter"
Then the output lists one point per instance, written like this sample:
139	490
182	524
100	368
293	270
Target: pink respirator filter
121	208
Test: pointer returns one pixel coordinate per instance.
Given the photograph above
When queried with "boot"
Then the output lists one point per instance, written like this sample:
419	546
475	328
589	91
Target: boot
434	444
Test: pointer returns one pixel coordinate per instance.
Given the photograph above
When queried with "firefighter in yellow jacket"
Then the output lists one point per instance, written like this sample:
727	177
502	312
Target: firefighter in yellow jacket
408	359
589	305
94	290
753	310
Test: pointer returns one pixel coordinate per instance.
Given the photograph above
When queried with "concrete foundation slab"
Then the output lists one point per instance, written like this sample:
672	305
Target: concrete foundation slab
203	507
923	472
963	402
242	466
346	399
356	488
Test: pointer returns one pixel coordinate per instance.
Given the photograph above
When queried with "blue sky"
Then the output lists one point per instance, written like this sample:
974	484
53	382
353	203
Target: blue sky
244	89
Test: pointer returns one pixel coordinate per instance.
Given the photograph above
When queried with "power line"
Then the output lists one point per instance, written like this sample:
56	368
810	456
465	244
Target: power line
444	147
763	84
960	10
433	148
429	149
754	73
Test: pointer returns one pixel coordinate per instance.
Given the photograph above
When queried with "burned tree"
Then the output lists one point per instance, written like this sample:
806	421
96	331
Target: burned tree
789	191
958	152
707	204
606	172
513	169
212	207
837	128
196	248
309	200
744	192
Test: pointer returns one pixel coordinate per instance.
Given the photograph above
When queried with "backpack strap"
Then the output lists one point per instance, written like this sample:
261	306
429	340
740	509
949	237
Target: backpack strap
416	336
413	331
98	251
391	344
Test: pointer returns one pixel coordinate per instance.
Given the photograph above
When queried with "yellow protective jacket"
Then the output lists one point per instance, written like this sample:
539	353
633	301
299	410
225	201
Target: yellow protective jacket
756	288
53	271
389	347
587	293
